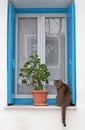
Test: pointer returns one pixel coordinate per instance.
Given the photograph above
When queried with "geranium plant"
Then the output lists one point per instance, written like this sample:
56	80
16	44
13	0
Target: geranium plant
35	73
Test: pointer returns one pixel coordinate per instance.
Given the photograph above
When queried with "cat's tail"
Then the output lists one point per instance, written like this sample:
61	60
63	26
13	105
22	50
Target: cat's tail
64	115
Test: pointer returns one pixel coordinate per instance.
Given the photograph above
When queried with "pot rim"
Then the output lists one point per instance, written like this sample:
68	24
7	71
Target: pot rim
39	91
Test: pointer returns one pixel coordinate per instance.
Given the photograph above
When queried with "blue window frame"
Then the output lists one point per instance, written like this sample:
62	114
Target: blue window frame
11	53
71	50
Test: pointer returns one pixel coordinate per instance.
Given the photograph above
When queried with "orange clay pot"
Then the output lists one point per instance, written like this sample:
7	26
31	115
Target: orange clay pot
40	97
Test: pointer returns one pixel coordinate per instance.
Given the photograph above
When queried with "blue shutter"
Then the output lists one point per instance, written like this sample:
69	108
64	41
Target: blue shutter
11	54
71	51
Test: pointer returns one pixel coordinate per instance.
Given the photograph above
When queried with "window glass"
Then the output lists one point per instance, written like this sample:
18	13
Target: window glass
55	49
27	45
28	38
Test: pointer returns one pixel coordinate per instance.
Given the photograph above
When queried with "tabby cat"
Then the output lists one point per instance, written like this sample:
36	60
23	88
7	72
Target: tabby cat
63	97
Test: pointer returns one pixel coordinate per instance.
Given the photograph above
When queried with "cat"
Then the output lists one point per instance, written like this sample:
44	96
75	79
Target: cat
63	97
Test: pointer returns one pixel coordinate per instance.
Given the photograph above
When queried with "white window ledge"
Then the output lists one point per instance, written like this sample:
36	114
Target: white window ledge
31	107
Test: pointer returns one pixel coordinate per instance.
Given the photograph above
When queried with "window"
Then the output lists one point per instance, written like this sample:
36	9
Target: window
52	37
43	35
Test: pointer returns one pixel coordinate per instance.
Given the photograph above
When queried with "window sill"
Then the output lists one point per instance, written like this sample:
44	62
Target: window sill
31	107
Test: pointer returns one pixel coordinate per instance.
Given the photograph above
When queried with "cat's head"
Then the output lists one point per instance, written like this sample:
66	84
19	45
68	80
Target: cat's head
58	83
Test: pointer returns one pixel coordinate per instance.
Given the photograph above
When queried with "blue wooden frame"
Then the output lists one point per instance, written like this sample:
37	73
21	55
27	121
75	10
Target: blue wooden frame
11	54
73	55
71	51
26	101
10	63
41	10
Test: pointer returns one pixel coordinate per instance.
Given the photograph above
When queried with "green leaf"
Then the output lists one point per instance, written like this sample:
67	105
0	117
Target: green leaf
24	81
47	81
21	74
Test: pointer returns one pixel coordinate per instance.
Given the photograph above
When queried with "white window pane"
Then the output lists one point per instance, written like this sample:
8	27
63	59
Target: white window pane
52	50
55	28
50	26
55	49
27	45
31	45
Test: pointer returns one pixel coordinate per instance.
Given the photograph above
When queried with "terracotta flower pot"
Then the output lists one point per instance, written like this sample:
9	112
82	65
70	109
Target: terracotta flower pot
40	97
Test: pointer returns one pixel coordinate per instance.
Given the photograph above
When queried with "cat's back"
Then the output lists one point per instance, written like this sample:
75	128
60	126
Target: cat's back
64	95
67	94
65	90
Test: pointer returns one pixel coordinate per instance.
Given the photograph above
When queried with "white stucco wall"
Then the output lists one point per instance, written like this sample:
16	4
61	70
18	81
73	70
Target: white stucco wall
41	119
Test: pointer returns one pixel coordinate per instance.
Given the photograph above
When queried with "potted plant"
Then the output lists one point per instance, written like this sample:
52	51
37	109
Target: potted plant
36	74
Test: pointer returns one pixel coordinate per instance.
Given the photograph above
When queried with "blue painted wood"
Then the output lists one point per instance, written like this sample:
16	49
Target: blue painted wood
51	101
11	54
29	101
22	101
73	55
41	10
71	51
